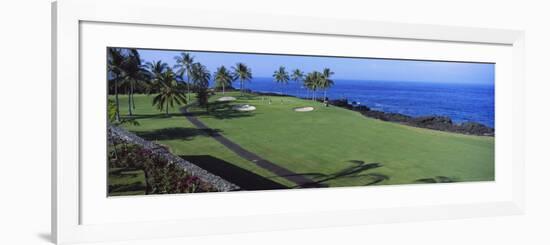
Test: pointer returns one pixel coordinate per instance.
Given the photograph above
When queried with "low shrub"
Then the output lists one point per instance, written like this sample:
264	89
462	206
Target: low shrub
161	176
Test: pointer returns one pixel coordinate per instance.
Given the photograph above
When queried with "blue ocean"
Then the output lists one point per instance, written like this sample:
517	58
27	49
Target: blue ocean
460	102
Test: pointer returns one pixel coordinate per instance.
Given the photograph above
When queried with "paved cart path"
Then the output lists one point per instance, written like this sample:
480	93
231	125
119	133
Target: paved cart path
296	178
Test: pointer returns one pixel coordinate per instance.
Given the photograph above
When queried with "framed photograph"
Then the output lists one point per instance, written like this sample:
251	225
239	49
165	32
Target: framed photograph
232	122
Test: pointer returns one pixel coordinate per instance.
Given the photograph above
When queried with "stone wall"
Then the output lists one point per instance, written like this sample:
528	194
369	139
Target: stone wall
215	181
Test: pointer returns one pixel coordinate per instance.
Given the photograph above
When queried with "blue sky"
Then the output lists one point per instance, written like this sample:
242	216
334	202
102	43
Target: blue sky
344	68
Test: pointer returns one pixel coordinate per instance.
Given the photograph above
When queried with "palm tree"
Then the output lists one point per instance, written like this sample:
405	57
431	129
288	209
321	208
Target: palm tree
135	73
156	68
223	78
243	73
297	76
200	75
201	78
282	77
115	60
326	82
312	81
170	91
185	63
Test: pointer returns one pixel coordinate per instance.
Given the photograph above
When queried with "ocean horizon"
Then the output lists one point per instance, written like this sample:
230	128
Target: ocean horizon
461	102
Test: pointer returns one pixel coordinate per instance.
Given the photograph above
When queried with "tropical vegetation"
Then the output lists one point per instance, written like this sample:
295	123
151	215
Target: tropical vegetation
156	69
170	92
242	73
281	77
297	76
201	77
313	81
184	63
223	78
148	173
326	82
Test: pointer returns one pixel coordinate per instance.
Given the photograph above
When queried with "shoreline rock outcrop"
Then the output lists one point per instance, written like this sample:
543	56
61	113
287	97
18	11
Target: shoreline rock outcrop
441	123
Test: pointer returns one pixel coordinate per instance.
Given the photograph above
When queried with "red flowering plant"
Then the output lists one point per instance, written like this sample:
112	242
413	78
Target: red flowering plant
161	176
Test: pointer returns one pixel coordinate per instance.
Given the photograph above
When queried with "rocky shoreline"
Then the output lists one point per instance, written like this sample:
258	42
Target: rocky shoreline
441	123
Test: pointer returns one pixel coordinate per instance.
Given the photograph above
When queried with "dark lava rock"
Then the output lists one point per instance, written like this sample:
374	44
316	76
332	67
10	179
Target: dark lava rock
433	122
387	116
476	129
341	103
441	123
362	108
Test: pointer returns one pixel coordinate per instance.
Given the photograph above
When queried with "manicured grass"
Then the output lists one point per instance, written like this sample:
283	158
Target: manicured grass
181	136
126	181
346	148
330	144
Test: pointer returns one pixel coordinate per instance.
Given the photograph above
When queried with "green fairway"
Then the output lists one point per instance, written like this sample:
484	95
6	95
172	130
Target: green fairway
126	181
332	145
181	136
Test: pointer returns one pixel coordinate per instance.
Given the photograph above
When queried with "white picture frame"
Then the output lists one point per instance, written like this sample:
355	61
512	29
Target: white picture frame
67	226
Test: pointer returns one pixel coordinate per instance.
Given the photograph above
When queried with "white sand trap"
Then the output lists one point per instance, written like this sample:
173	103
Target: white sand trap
244	107
304	109
227	98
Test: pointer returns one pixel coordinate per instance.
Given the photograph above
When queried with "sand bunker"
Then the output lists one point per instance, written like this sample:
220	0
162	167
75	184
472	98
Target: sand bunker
244	107
227	98
304	109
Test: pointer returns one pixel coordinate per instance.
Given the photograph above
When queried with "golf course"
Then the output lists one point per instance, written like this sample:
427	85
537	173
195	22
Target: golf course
176	125
331	146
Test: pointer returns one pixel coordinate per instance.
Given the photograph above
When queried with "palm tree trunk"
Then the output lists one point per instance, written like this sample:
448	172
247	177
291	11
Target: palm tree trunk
133	101
117	112
132	92
167	108
324	98
223	88
314	95
188	92
130	100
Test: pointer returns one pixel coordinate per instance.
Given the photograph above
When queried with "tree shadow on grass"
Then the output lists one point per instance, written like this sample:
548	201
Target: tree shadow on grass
219	110
135	186
245	179
123	172
357	170
176	133
151	116
248	96
437	179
